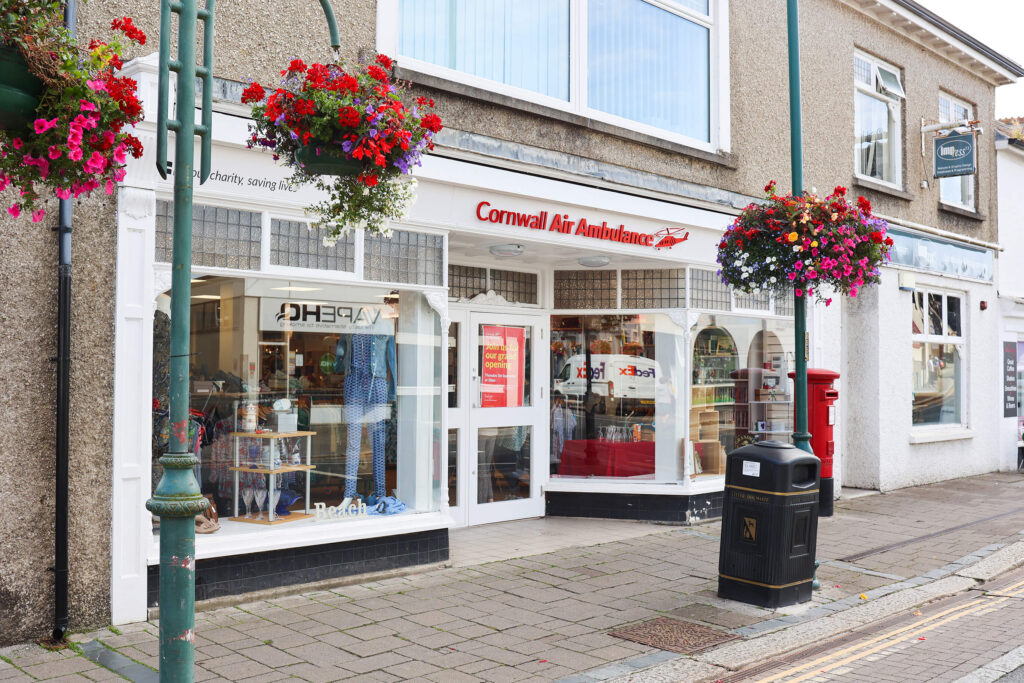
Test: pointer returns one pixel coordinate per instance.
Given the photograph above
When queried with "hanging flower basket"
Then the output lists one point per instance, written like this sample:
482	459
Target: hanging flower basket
350	130
19	90
807	245
327	161
64	107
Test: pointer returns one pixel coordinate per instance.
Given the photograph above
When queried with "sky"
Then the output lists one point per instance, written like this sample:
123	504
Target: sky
993	22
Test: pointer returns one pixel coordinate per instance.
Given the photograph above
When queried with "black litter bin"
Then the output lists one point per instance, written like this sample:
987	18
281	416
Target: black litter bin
769	525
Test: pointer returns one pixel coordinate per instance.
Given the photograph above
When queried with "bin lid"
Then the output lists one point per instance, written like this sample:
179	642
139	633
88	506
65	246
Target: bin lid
772	466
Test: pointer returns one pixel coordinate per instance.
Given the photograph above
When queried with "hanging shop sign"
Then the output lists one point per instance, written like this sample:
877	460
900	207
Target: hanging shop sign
955	155
280	315
503	375
666	238
1010	379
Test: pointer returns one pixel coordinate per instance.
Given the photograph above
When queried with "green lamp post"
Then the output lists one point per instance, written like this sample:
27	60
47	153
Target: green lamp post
801	437
177	499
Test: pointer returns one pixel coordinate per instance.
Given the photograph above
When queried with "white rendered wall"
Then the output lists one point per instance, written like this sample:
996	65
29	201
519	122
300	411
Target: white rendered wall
1009	274
883	451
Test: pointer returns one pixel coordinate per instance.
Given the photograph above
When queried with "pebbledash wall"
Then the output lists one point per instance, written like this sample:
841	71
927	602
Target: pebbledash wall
877	447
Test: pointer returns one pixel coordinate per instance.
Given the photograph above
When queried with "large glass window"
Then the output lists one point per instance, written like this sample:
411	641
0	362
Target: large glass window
960	189
307	397
937	358
740	391
615	410
878	97
530	47
522	43
649	65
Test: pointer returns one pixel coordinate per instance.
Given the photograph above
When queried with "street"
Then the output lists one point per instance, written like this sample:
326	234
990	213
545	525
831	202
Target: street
950	640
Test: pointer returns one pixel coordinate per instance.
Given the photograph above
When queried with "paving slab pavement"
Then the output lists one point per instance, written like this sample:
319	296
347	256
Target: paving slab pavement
522	615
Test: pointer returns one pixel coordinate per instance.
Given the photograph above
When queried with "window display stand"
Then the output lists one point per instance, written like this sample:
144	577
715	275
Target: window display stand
273	438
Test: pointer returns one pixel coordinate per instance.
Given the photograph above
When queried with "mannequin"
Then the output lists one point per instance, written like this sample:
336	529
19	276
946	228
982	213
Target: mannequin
369	364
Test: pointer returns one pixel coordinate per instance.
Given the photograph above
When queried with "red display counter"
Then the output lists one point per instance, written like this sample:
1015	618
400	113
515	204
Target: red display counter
599	458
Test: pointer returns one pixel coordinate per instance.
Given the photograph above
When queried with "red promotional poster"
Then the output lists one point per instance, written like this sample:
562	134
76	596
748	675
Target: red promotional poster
504	366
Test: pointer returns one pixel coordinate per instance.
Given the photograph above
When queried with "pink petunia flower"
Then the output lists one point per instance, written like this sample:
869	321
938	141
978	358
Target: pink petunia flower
97	85
75	154
799	292
15	210
38	215
119	174
54	152
119	154
87	105
109	188
42	125
63	193
16	143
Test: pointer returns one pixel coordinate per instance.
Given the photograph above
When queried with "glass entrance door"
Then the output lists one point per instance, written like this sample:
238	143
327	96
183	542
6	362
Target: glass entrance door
508	416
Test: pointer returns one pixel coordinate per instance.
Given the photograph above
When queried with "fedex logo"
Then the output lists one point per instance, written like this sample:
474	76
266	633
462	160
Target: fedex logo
634	371
594	373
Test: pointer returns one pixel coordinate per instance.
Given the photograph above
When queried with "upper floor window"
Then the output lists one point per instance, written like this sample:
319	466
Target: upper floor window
878	99
958	190
642	64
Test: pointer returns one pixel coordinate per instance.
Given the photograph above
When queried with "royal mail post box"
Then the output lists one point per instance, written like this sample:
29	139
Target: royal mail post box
821	419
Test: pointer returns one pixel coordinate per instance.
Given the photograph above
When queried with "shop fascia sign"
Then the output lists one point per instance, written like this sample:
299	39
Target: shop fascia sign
666	238
335	317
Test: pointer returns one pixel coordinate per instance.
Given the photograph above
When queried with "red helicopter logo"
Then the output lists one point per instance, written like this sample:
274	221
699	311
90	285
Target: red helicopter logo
669	237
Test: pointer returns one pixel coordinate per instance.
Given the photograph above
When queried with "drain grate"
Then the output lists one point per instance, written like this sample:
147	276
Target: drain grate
683	637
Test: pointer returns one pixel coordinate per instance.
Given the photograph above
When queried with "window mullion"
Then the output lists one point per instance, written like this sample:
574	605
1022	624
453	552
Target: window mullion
578	55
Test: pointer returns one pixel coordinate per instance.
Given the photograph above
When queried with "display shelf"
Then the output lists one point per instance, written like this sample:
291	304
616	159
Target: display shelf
779	402
280	470
293	517
271	435
770	431
270	473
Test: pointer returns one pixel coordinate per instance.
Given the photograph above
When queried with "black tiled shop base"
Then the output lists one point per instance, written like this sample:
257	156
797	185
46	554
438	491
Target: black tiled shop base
645	508
238	574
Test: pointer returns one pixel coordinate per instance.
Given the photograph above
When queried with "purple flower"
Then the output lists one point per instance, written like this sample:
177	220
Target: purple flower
373	133
279	120
346	146
369	109
293	134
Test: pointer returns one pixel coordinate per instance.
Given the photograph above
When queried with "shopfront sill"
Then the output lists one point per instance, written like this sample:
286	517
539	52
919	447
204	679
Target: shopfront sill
935	435
236	538
708	484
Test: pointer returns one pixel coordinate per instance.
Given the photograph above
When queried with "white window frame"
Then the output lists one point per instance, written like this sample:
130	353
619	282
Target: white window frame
716	21
893	100
968	185
946	339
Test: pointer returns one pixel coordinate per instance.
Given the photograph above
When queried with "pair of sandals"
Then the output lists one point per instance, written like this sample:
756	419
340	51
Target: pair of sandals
207	520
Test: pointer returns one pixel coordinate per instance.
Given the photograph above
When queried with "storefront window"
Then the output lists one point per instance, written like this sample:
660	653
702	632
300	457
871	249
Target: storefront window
936	328
741	392
614	407
308	396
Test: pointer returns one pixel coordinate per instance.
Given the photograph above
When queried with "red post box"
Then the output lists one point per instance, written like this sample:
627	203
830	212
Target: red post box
821	417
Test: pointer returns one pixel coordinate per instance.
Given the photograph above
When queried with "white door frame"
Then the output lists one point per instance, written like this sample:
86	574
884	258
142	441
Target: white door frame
458	418
536	415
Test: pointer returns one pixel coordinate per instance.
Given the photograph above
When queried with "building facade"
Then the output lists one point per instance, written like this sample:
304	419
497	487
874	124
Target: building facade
545	333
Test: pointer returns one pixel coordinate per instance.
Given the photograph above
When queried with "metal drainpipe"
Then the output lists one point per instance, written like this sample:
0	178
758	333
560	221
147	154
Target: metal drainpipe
60	561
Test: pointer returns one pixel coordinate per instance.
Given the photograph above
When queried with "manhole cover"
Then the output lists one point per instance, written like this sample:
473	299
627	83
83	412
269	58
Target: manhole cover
683	637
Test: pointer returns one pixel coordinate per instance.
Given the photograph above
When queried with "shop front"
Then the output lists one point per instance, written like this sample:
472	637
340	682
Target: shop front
518	346
596	365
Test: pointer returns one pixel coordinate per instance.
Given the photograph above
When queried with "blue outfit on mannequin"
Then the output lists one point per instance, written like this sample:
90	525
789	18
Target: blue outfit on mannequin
369	386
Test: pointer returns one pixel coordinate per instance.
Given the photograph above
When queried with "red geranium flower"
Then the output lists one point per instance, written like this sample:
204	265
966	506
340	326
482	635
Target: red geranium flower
431	122
377	73
297	66
254	93
384	61
348	117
